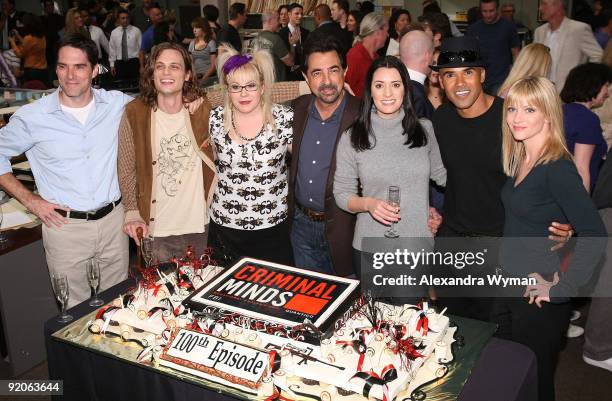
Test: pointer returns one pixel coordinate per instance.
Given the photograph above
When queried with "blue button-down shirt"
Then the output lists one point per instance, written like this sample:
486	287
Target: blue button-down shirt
74	165
316	151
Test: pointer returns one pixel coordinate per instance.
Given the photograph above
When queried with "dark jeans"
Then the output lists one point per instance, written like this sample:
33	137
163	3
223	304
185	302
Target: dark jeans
310	248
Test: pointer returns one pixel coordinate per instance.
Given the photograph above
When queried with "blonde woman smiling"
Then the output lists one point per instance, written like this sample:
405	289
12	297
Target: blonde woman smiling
251	137
543	186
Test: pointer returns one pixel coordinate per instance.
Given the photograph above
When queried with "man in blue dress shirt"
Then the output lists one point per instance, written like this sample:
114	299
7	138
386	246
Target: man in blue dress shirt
70	139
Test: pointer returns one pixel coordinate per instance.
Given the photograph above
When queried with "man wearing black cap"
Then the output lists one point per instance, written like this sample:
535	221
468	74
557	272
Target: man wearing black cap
469	135
468	130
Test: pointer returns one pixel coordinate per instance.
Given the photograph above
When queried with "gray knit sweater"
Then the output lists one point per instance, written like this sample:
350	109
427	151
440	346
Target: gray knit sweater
390	162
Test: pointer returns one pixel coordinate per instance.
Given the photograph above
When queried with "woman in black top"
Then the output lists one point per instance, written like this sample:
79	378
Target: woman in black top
544	186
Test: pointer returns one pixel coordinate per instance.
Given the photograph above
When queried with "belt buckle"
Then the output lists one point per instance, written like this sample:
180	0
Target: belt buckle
87	214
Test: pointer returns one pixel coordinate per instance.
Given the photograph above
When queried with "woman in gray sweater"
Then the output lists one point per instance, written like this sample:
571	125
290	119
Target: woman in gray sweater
388	146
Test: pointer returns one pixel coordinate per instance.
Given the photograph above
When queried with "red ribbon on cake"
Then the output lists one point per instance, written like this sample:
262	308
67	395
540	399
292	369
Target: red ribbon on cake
103	310
359	346
423	323
276	395
274	359
154	287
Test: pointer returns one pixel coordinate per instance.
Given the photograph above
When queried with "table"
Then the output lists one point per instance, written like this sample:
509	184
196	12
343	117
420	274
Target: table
26	297
505	371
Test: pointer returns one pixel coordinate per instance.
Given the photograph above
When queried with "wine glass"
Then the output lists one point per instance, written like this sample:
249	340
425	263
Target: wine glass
62	293
93	277
393	199
146	247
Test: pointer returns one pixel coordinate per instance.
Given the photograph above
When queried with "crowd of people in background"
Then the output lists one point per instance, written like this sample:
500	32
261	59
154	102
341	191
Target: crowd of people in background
29	41
484	134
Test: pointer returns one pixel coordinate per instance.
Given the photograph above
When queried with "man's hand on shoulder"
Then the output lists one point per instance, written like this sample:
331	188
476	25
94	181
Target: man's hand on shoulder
560	233
193	106
434	220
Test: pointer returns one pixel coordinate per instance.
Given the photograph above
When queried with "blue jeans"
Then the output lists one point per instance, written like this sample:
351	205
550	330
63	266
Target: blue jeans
310	249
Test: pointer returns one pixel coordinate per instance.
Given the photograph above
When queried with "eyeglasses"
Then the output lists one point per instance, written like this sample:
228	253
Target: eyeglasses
464	56
250	87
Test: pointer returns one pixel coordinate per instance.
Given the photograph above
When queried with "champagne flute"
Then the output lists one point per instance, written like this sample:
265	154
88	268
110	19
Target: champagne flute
62	293
393	199
93	277
146	247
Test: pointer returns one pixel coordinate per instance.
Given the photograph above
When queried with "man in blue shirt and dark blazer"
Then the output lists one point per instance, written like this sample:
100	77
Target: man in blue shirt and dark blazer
322	233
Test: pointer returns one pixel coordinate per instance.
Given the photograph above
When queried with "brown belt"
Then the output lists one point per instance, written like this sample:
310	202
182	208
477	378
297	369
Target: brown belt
312	214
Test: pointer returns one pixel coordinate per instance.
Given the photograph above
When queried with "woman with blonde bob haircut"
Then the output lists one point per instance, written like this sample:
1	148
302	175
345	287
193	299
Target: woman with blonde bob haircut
533	61
540	93
251	137
543	186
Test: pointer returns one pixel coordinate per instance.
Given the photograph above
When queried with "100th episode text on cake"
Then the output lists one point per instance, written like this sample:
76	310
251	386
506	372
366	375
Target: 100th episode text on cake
195	351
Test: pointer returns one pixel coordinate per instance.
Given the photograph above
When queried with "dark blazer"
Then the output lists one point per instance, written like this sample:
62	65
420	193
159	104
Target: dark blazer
345	38
339	225
422	105
299	51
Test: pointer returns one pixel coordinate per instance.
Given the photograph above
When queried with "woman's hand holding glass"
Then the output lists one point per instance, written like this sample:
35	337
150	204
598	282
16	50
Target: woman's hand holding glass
382	211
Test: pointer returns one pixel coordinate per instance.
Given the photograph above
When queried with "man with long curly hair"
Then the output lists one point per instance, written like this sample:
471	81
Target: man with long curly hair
166	169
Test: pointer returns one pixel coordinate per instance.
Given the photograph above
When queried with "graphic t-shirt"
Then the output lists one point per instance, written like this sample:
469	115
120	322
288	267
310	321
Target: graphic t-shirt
180	207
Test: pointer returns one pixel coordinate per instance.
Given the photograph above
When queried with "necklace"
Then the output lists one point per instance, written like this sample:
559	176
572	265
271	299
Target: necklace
242	137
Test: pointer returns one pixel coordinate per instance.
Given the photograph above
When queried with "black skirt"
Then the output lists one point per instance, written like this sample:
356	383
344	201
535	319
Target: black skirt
270	244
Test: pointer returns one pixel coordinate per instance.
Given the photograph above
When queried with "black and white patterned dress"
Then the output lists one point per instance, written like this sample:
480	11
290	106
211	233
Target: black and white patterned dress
252	189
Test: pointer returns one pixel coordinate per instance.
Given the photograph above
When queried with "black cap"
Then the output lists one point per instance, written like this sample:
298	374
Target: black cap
459	52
